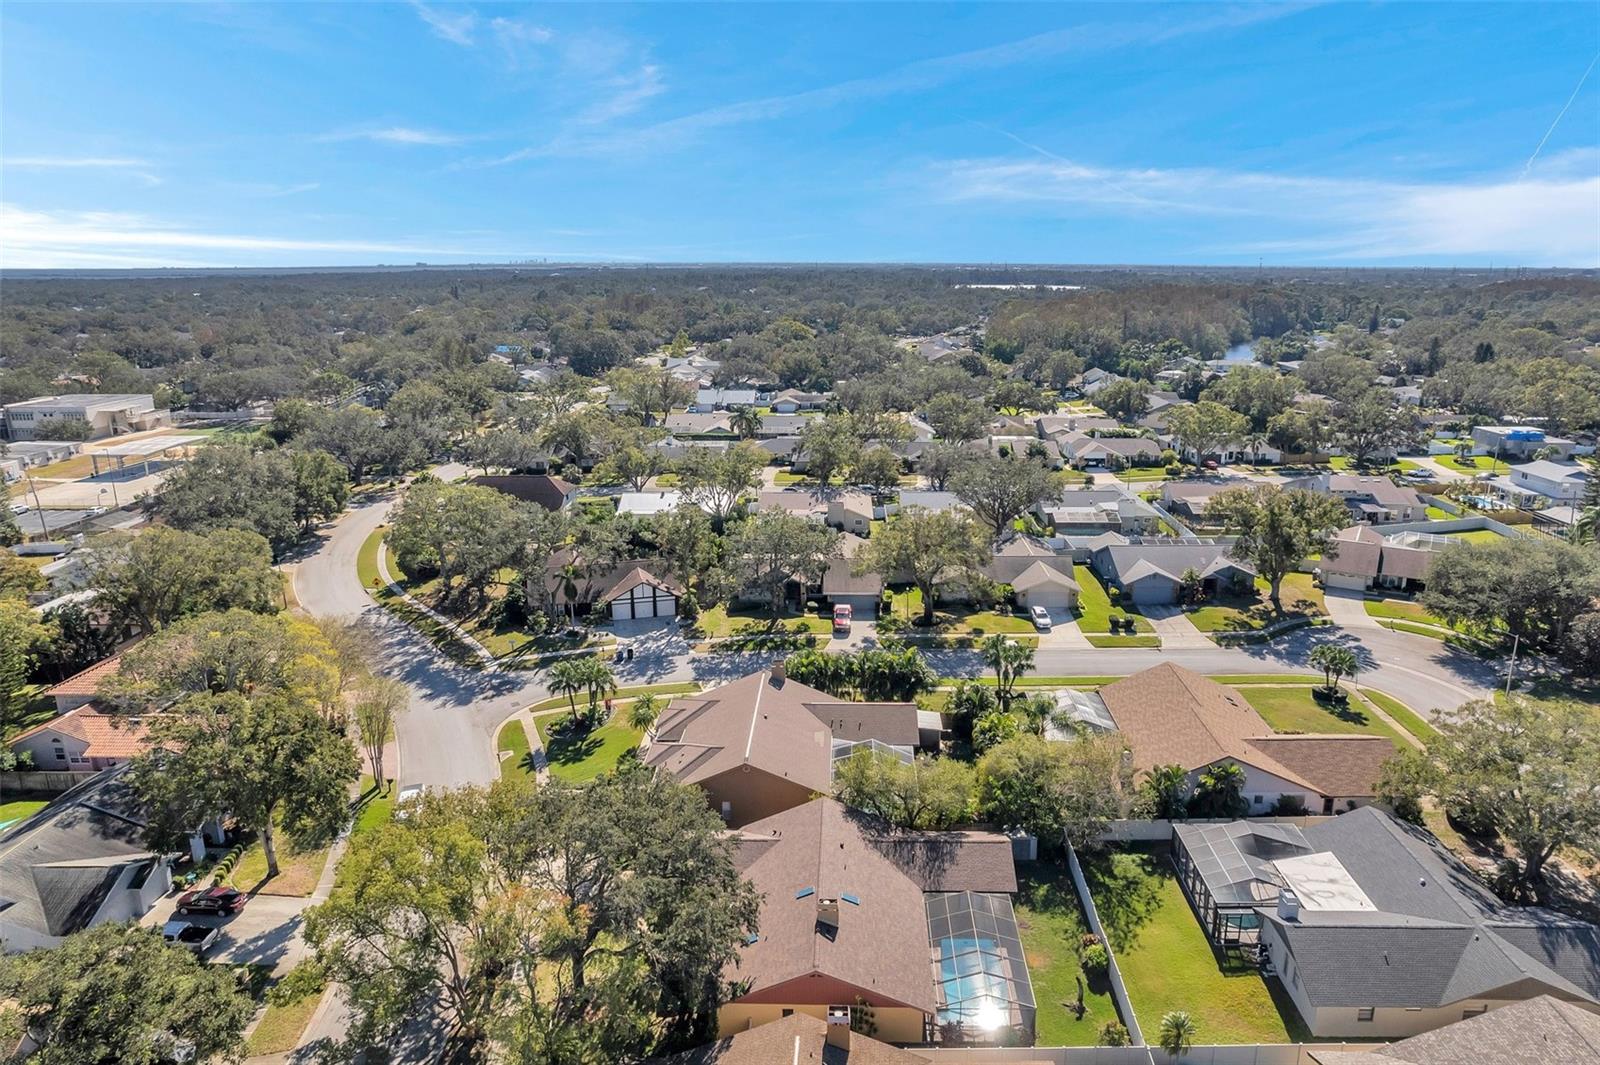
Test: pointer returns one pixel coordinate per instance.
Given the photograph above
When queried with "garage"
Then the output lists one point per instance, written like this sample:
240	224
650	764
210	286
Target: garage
1046	586
641	595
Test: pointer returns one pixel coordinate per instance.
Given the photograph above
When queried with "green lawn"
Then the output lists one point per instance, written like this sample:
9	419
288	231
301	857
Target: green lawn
1294	709
950	620
1237	680
1051	923
298	870
751	621
1138	474
1094	615
1228	613
1412	721
1475	536
579	758
373	808
1472	464
1344	462
281	1026
1167	962
681	687
1439	514
1402	610
36	709
513	744
21	808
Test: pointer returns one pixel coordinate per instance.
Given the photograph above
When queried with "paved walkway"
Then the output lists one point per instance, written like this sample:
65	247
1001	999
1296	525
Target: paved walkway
1177	632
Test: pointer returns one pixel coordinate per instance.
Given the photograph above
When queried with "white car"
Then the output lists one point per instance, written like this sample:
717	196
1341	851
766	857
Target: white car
409	796
190	936
1041	618
19	508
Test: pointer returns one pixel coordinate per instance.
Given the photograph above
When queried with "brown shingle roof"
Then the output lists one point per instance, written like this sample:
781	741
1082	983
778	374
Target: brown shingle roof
549	492
87	682
1169	714
632	579
799	1039
105	735
779	726
822	850
1542	1029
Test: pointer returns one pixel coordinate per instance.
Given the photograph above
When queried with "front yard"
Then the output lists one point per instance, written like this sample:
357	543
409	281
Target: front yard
1295	709
1231	613
1095	612
1167	962
950	619
575	758
751	622
1051	923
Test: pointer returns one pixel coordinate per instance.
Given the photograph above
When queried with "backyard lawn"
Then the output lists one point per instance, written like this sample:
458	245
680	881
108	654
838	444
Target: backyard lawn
1475	536
580	758
1094	615
1229	613
1294	709
1168	963
16	811
1051	924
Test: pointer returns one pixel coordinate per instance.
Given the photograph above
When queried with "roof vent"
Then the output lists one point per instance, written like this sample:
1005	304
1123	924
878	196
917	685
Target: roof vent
1422	881
828	916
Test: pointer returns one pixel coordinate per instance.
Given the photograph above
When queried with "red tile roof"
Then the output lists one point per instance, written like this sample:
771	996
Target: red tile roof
87	682
105	735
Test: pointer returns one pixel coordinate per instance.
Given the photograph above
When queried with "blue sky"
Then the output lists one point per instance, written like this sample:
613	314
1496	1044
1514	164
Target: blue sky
301	134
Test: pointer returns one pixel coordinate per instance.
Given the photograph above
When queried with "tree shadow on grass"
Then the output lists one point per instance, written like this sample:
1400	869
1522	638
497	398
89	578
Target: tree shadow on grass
567	746
1127	891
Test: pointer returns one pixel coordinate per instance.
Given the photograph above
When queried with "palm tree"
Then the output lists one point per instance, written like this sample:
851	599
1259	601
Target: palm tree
643	712
1586	530
1255	440
1335	662
746	421
569	575
566	678
1221	792
1009	660
1177	1033
1169	784
599	682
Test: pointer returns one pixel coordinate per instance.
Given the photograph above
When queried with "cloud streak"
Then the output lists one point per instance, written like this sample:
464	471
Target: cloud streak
1552	216
138	168
406	135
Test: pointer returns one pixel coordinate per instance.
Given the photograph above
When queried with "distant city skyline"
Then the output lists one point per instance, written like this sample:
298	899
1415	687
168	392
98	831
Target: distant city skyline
304	135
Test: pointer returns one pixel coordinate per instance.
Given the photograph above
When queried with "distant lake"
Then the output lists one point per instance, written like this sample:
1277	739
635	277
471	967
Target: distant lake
1240	353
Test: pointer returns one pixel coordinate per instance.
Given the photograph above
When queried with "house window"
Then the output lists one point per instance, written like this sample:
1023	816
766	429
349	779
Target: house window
1364	1013
1474	1011
787	1013
1256	800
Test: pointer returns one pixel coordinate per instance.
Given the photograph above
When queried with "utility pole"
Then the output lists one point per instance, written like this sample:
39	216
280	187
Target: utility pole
44	530
1512	669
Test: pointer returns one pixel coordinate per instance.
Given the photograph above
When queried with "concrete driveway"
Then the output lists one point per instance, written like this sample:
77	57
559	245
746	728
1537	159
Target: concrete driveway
1347	609
1177	632
1064	634
265	932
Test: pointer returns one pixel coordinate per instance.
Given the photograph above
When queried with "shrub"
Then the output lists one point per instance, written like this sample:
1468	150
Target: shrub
1087	940
1289	806
1114	1034
1095	961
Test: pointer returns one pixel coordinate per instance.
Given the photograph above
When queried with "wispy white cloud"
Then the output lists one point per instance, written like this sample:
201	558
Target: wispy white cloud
1549	216
32	239
455	26
397	135
272	190
623	95
138	168
917	76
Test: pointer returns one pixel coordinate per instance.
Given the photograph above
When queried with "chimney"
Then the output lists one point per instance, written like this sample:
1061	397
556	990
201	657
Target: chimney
1288	905
839	1027
828	914
778	672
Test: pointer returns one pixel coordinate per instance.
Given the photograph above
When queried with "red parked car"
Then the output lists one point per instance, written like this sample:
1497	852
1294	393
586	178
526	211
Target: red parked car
220	900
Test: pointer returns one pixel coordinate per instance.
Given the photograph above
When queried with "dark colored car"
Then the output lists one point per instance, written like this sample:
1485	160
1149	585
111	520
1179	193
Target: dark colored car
223	900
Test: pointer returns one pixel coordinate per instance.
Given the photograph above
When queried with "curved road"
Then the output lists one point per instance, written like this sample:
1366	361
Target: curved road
446	737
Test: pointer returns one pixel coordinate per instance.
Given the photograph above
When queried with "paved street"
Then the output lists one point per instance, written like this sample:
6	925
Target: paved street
446	738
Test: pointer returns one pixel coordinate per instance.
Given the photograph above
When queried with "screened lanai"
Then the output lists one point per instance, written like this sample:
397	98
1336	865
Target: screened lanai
979	971
1226	870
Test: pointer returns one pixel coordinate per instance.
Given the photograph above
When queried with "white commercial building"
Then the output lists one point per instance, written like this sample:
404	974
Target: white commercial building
107	415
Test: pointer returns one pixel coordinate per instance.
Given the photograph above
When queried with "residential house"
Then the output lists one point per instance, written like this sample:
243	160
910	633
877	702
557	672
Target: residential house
930	501
551	493
1084	452
589	586
1053	426
1373	500
697	423
1169	715
1375	930
842	586
1557	482
1032	447
710	399
796	1039
84	739
83	686
1188	499
1018	552
648	504
1151	574
793	401
851	512
1360	557
797	501
80	862
918	927
639	594
774	426
1046	586
1089	511
1535	1030
763	744
1519	442
107	415
940	347
1095	379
